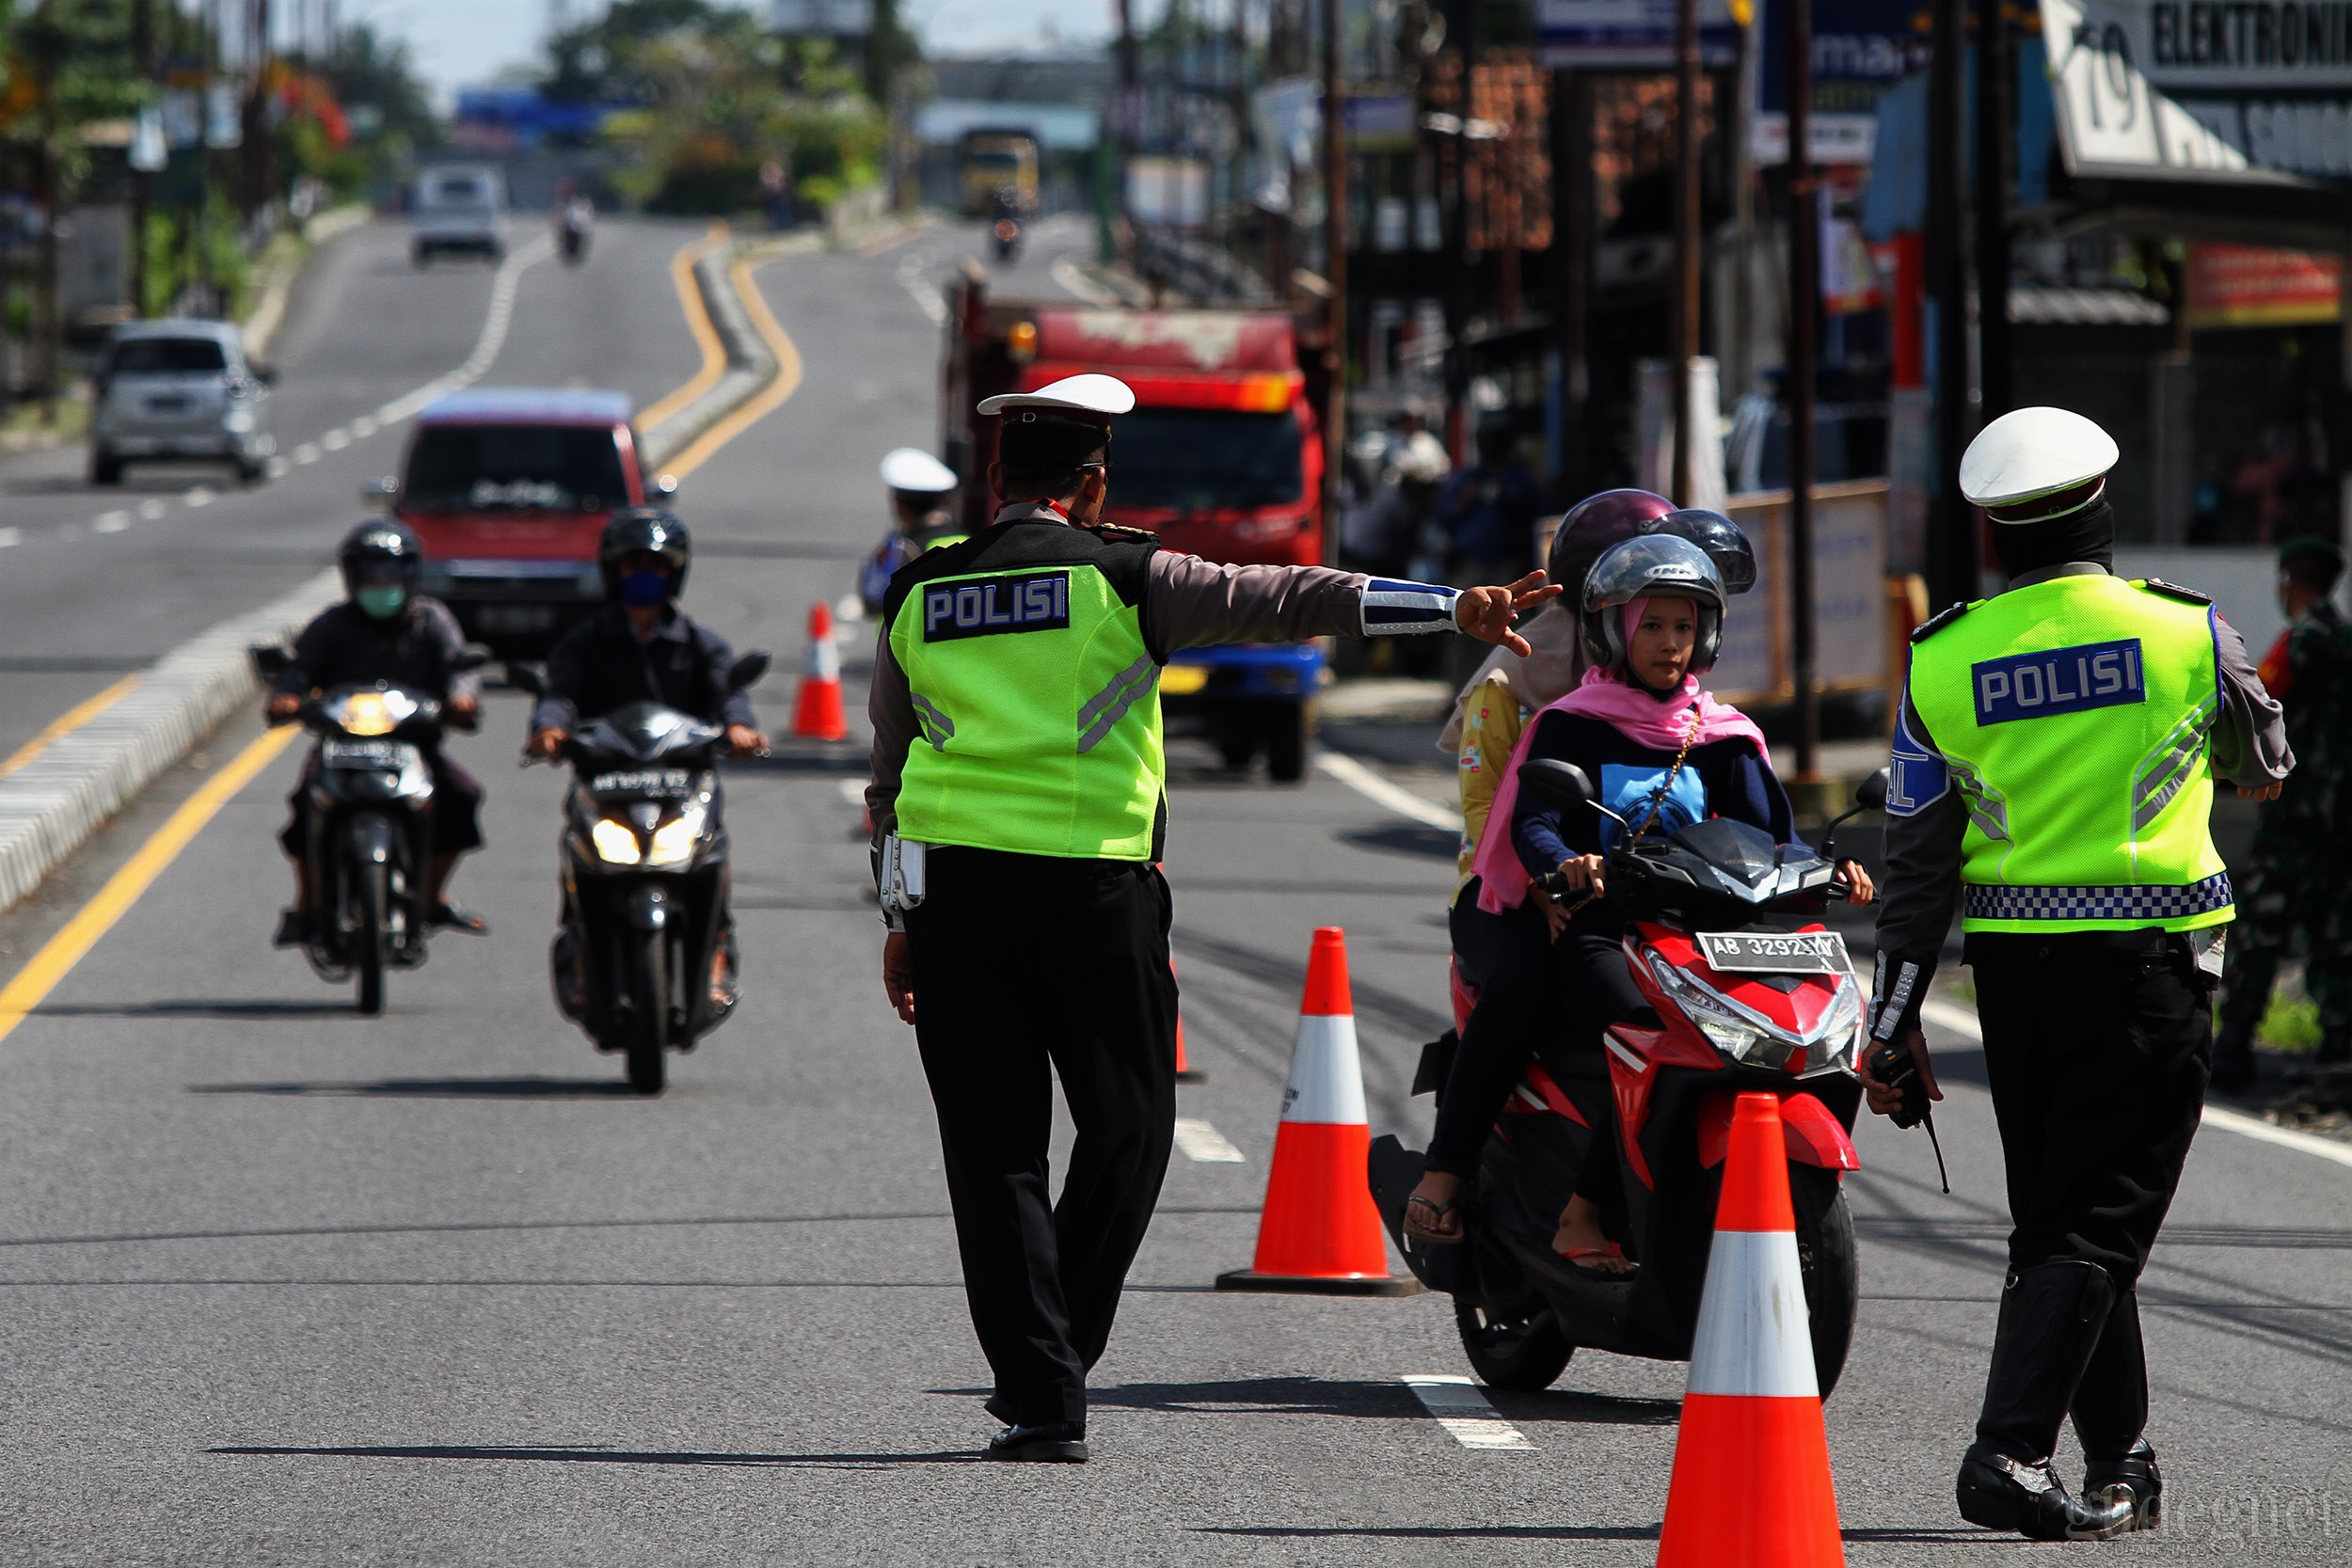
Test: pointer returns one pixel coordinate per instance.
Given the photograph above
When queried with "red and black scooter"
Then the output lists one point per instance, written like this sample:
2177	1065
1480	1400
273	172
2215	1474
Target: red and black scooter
1726	940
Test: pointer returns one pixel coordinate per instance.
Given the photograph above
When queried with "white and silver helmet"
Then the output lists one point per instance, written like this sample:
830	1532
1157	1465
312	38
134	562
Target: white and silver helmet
1651	565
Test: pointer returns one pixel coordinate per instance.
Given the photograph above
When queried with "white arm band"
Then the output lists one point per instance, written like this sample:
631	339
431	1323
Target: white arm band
1394	609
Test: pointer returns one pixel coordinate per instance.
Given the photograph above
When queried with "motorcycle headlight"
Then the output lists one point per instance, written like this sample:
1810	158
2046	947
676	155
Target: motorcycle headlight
616	842
1730	1034
674	841
1842	1031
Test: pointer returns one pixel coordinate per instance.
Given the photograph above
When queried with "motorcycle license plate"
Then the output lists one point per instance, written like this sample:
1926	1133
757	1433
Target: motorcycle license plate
360	753
1774	952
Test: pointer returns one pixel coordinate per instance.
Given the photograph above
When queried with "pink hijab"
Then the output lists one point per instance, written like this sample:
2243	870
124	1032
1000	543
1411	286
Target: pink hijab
1639	717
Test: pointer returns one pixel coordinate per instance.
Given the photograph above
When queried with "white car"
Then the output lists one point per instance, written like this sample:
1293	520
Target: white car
173	389
458	207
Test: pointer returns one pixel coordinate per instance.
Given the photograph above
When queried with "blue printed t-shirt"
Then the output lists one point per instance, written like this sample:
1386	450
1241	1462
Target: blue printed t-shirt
1720	778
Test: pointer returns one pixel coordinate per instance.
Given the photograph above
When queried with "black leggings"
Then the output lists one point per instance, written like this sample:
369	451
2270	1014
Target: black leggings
1554	1004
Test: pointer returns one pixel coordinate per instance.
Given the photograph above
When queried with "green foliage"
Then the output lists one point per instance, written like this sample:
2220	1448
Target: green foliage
2291	1023
184	247
717	97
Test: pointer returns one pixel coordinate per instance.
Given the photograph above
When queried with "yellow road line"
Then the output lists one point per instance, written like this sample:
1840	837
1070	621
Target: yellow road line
690	298
57	956
66	722
769	398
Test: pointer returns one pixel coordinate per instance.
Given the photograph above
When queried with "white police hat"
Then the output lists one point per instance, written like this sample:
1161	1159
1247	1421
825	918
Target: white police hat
1091	398
2036	464
914	470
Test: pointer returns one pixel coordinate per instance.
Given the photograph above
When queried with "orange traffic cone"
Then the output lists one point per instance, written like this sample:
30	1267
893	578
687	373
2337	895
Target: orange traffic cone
1751	1479
817	715
1319	1231
1186	1071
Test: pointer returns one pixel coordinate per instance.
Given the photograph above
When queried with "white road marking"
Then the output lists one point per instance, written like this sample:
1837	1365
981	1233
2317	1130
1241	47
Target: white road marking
336	439
201	496
1201	1142
1372	786
1960	1022
151	509
1065	272
927	294
852	790
110	522
308	452
1464	1411
485	348
364	426
11	536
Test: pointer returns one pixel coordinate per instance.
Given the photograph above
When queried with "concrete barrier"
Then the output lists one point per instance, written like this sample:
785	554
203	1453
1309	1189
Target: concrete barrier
750	366
52	805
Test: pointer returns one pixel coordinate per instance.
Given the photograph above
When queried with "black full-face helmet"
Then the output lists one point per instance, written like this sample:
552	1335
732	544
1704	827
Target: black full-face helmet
1720	538
1651	565
644	530
380	553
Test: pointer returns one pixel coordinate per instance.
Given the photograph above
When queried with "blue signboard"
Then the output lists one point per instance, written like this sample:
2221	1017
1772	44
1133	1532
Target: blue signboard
1861	48
1630	35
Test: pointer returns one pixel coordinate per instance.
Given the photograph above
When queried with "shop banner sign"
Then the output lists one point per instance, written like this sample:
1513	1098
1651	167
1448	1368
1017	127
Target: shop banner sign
2244	91
2241	285
1630	35
1860	49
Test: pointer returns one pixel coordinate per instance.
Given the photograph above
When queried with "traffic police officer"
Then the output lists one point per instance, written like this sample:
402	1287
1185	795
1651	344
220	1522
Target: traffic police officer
1019	808
2052	774
922	517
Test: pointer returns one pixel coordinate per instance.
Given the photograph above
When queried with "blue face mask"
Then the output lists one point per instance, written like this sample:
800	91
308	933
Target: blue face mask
381	604
643	590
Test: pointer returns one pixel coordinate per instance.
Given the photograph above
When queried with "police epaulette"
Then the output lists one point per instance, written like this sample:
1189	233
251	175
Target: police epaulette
1937	622
1111	534
2174	590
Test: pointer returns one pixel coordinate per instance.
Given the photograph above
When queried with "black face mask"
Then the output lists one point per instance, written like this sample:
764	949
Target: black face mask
2086	534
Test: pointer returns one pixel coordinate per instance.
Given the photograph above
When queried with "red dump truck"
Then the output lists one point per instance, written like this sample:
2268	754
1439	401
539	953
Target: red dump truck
1222	458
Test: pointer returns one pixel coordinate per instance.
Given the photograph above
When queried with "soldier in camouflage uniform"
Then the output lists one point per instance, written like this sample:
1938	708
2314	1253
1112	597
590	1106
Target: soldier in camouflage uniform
2297	881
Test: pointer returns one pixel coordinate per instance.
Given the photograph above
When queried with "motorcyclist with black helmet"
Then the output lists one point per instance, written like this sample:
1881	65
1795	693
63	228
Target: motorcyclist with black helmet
641	647
386	631
1662	752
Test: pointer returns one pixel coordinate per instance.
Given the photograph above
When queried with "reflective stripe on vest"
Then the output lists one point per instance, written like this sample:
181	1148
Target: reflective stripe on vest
2074	716
1039	709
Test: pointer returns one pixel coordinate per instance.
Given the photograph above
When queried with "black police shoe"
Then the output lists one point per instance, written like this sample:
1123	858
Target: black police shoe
293	930
1051	1443
2135	1479
447	916
2003	1493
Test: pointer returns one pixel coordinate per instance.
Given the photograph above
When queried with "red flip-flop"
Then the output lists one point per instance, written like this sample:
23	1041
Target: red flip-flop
1608	1276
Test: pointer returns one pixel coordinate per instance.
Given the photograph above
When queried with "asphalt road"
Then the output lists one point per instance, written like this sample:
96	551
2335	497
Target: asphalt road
288	1286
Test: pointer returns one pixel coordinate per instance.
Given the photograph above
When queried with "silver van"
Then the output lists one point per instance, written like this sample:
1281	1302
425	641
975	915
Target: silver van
458	207
173	389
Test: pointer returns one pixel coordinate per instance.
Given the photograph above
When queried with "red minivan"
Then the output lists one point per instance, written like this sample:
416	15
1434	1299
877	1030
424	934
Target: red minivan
507	489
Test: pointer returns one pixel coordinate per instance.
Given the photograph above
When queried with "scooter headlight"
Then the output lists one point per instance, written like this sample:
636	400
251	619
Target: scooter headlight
616	842
1842	1031
1730	1034
674	841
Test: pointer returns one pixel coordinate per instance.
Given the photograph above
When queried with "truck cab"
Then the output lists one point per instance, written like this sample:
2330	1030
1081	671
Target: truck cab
1222	457
508	490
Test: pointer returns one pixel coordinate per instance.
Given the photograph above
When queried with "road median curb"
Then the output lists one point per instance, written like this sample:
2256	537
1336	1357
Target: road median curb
750	365
51	806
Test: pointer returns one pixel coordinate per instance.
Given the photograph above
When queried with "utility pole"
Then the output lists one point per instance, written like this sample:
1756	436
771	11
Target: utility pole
1335	274
1572	240
1951	523
1130	112
1995	82
1804	301
142	182
1685	318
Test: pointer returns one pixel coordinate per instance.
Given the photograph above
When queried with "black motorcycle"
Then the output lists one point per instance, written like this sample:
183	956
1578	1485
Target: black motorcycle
643	858
369	861
1754	994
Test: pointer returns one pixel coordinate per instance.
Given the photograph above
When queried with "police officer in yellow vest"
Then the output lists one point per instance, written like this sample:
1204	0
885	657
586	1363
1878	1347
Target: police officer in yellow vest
1019	808
2053	776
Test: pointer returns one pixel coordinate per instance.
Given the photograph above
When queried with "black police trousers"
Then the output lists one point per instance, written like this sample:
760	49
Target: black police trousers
2096	1048
1020	961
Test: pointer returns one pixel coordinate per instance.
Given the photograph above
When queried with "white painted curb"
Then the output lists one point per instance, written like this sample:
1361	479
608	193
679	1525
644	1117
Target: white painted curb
52	805
750	365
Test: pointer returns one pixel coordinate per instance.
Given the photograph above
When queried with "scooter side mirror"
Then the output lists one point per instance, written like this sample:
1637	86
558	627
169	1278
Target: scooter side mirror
269	659
1556	783
474	655
1870	793
747	672
527	677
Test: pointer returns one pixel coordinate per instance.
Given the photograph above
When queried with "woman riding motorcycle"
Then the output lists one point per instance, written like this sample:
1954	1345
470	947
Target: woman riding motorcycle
1662	753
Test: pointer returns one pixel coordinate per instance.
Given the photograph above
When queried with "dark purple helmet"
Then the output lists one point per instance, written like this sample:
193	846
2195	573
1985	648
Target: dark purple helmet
1592	526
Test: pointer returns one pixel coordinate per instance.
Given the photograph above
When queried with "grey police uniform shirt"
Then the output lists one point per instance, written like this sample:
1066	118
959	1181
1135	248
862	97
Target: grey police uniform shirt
1187	603
1924	844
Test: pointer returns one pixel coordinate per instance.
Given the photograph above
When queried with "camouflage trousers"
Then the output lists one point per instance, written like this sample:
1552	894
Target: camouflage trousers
2296	887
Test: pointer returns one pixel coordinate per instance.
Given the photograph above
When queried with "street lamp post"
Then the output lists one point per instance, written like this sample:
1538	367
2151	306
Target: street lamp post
1335	274
1686	322
1952	524
1805	299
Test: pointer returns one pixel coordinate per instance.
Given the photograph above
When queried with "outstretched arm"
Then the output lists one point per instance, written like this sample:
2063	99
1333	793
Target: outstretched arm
1192	603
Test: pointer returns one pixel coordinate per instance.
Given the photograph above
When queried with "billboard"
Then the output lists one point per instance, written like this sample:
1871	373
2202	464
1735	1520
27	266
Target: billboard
1860	49
1630	35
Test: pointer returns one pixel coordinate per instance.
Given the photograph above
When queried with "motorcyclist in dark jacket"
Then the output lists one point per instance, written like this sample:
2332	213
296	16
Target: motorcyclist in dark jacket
386	631
641	647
